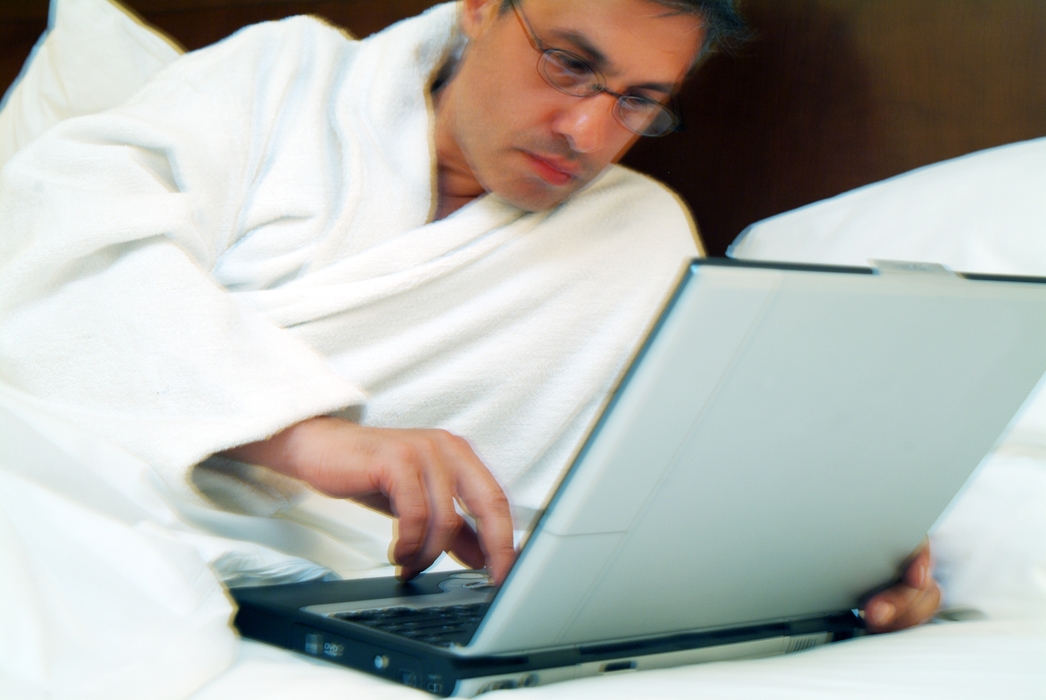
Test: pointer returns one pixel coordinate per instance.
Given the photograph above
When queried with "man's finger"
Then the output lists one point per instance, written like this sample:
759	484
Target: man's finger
443	520
917	573
921	609
901	607
409	504
481	495
465	548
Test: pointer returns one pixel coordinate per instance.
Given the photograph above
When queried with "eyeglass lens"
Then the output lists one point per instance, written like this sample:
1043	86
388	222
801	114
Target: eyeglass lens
571	75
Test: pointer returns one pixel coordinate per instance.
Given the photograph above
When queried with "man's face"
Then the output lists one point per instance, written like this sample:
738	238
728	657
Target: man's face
522	139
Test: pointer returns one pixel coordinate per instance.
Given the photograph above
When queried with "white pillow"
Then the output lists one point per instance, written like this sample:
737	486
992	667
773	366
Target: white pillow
985	212
991	547
94	55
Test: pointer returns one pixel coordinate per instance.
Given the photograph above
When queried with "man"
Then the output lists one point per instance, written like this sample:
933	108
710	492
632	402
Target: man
537	149
286	229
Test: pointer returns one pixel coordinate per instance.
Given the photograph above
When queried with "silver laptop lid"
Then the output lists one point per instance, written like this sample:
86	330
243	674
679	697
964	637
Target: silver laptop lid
783	441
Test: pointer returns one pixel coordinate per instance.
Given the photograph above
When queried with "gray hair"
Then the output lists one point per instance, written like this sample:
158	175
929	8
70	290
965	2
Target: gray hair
723	24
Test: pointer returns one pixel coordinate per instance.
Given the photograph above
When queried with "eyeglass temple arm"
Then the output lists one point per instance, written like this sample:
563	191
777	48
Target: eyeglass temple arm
527	29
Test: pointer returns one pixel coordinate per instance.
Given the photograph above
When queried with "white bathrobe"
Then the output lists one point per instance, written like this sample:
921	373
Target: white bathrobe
247	243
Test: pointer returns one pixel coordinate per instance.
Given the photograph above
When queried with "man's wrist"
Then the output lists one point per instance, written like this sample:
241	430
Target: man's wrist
286	452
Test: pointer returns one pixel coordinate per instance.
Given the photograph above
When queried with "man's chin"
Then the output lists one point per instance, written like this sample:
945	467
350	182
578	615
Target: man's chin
539	196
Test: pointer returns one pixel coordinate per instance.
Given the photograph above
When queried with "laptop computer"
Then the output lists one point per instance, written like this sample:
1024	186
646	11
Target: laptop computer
783	440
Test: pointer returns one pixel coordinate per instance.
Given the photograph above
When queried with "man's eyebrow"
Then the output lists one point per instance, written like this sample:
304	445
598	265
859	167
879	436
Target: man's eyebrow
580	42
667	88
600	62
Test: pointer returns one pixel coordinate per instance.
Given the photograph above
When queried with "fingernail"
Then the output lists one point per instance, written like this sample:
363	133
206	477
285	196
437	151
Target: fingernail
882	613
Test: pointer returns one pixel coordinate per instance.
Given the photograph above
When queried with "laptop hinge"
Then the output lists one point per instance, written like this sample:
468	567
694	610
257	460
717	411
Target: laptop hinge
908	267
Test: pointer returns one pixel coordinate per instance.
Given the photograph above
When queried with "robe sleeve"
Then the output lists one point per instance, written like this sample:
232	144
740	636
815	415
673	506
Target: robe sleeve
110	227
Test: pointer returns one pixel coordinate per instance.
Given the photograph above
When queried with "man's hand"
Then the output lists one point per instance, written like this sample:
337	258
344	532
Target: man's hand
412	475
909	603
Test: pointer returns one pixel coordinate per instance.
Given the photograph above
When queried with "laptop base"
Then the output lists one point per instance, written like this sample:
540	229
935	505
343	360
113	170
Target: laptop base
279	615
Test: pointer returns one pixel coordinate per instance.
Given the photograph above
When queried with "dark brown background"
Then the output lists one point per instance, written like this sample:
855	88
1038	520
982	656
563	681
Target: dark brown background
828	95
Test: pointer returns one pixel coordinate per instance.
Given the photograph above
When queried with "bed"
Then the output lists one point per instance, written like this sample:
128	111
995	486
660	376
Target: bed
828	96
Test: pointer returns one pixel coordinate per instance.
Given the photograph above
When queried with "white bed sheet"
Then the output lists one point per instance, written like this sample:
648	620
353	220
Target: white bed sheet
949	660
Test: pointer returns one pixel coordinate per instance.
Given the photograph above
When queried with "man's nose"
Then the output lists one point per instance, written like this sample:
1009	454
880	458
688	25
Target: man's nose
588	122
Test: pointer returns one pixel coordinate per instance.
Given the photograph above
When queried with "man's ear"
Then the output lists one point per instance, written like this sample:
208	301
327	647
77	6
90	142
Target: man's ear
477	15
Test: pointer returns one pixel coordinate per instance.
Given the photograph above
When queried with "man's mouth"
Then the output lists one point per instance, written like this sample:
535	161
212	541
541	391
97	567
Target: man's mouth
554	171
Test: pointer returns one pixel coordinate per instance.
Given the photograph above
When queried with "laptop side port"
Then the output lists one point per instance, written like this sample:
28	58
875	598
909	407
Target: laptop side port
618	666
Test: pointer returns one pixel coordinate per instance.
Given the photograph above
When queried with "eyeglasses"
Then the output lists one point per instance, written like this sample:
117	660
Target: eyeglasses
573	75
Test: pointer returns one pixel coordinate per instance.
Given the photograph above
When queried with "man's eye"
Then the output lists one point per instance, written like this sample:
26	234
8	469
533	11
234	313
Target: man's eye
568	65
635	103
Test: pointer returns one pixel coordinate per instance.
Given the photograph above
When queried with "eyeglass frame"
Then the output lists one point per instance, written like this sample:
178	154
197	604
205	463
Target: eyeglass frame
599	83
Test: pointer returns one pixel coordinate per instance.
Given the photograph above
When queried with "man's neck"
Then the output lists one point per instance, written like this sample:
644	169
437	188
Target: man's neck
448	204
456	185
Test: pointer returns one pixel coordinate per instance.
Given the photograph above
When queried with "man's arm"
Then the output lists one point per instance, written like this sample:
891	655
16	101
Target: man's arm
115	227
413	475
416	475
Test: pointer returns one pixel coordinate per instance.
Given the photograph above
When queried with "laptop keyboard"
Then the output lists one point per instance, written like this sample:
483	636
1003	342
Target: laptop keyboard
441	626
